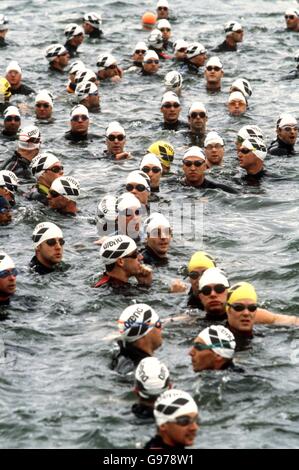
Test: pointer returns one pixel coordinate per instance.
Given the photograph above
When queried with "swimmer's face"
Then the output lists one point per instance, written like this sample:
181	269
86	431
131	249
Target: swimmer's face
12	124
138	55
194	168
238	35
171	111
80	123
14	77
288	134
63	59
162	13
115	143
51	174
43	110
88	29
214	302
7	194
247	160
198	120
77	40
199	60
180	54
241	320
214	154
213	74
204	359
8	284
5	216
292	22
159	240
178	434
91	102
50	255
151	65
166	33
237	107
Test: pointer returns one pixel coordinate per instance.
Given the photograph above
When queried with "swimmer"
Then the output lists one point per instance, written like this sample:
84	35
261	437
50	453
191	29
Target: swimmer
48	243
234	34
151	165
213	349
122	261
237	104
43	105
287	133
28	147
151	379
141	334
214	149
176	416
197	121
63	195
11	122
213	74
158	239
45	168
79	122
74	37
14	76
108	68
115	142
92	25
58	57
5	211
165	152
196	55
8	186
8	278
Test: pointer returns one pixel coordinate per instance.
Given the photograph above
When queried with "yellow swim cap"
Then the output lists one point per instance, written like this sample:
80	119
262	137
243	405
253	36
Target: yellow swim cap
201	259
5	87
164	150
240	291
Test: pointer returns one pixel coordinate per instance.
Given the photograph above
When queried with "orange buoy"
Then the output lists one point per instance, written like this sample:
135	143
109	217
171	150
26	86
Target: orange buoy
148	20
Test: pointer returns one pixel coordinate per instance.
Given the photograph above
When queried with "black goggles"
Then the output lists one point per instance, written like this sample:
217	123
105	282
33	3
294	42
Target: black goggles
196	114
195	275
245	150
139	187
54	241
241	307
218	288
55	169
289	17
54	194
171	105
8	272
154	169
197	163
12	118
209	68
133	255
5	210
113	138
79	117
140	51
42	105
152	61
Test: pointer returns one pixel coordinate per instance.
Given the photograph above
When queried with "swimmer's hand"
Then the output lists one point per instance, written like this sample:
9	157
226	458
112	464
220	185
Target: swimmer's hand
145	275
178	286
122	156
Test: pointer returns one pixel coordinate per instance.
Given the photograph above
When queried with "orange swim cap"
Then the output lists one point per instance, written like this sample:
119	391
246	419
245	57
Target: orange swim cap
148	20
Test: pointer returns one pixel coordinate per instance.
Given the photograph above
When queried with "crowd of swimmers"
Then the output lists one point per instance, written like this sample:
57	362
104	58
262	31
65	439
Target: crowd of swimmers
134	241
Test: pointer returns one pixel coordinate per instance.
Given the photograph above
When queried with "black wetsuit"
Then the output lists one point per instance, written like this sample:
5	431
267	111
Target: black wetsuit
40	268
196	139
208	184
95	33
108	281
143	411
10	135
72	50
161	54
158	443
3	43
189	67
127	358
22	90
225	47
174	126
76	136
280	148
194	301
254	180
18	165
150	257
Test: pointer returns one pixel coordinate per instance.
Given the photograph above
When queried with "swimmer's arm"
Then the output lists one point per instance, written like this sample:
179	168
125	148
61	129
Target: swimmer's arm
178	286
266	317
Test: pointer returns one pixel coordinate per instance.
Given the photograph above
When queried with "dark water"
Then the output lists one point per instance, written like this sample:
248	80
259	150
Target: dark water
56	389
